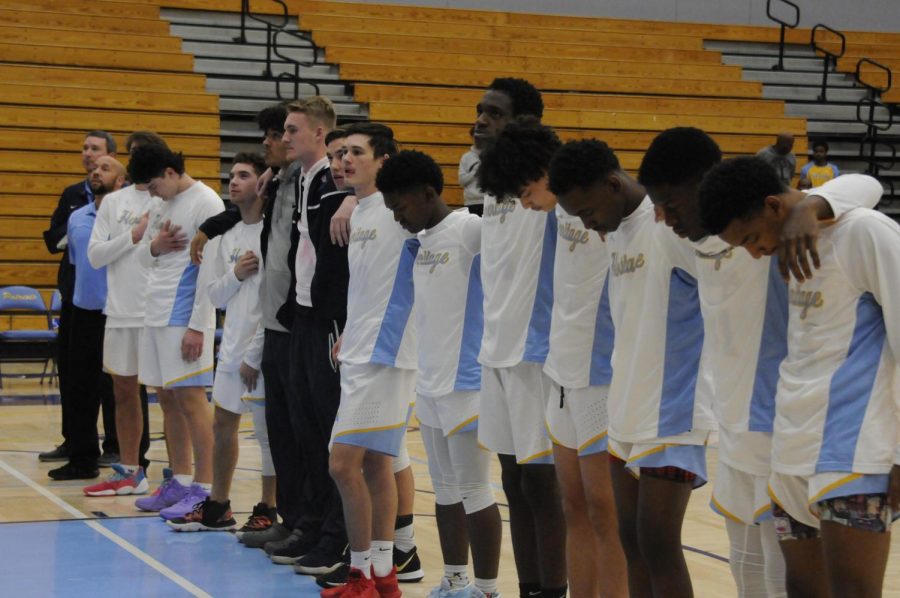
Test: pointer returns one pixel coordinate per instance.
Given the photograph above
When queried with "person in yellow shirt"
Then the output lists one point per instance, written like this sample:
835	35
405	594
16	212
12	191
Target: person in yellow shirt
819	170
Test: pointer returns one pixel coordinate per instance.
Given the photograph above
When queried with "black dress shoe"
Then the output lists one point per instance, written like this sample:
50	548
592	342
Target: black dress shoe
74	472
60	453
107	459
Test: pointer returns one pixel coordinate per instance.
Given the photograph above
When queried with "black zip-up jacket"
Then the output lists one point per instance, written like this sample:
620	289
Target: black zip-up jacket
332	275
72	198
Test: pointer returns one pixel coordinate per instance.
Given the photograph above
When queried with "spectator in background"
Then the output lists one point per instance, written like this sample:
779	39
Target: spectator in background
473	198
781	157
86	381
819	170
96	144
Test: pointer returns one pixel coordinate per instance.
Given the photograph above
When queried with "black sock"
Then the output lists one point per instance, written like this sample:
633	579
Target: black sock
403	520
529	590
554	592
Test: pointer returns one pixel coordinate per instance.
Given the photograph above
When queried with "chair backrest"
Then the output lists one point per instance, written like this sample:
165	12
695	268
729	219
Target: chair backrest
21	298
56	302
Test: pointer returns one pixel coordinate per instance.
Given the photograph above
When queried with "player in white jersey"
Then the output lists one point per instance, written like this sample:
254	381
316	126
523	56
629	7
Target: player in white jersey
657	427
578	364
238	387
377	354
835	459
744	304
115	241
449	325
517	250
179	322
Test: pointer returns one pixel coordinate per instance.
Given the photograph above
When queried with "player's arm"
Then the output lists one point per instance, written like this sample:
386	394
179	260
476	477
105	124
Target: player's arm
800	232
211	228
223	283
103	248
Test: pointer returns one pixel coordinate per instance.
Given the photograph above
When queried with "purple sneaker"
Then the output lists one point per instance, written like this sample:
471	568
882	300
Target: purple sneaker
185	505
168	493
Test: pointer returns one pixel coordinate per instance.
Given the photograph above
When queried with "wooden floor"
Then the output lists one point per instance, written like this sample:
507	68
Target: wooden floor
30	422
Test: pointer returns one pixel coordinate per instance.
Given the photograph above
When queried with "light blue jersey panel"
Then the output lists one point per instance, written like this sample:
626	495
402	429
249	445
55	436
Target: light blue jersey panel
537	343
772	351
399	308
183	306
604	335
851	388
684	342
468	370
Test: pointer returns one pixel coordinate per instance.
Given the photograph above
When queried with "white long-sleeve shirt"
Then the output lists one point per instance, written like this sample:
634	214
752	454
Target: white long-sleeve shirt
838	407
242	334
581	329
449	303
517	253
380	296
172	283
111	245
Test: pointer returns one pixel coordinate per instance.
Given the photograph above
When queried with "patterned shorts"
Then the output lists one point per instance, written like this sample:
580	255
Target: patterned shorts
868	512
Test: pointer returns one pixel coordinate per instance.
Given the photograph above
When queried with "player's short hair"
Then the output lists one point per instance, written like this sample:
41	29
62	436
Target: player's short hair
678	155
110	140
381	137
580	164
144	138
338	133
253	159
150	161
318	109
520	156
736	189
409	170
526	99
820	143
271	118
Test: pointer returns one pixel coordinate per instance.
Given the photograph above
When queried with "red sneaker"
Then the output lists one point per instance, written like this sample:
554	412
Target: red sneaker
387	586
357	586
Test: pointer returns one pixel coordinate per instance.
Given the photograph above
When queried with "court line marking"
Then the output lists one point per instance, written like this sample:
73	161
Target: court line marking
108	534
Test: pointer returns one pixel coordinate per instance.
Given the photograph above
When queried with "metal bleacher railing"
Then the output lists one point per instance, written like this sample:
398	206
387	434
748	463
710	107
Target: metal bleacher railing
274	30
878	117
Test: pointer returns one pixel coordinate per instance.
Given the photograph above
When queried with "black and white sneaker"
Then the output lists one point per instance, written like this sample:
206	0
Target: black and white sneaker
322	559
207	516
336	578
409	567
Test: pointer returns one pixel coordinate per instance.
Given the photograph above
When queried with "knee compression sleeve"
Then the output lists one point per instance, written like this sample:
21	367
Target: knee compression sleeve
443	481
258	410
471	466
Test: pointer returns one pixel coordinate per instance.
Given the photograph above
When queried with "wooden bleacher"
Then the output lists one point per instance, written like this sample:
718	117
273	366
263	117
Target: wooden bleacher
422	70
67	68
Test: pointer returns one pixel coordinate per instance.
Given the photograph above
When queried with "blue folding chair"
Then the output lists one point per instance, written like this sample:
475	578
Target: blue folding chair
36	345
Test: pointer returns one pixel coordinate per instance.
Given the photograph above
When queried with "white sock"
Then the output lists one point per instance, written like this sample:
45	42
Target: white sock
457	575
184	479
488	586
382	557
205	487
405	538
362	561
130	468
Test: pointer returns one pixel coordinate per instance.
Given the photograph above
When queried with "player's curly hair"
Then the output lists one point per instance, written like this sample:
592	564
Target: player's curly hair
151	160
409	170
526	99
736	189
520	156
580	165
678	155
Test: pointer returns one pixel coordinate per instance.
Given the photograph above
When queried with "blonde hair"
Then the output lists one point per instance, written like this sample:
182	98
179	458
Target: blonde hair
318	109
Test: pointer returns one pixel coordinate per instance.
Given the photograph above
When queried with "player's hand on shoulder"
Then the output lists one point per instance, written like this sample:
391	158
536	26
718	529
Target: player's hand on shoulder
340	222
197	244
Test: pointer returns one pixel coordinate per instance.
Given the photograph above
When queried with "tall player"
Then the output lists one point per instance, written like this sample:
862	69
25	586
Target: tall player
115	242
578	363
179	323
449	323
744	305
657	427
517	252
377	356
835	484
